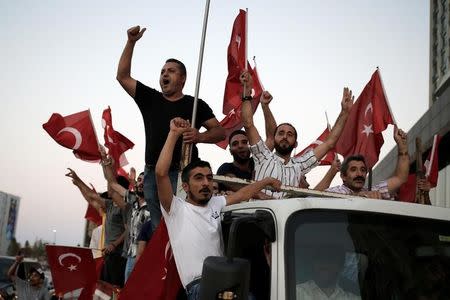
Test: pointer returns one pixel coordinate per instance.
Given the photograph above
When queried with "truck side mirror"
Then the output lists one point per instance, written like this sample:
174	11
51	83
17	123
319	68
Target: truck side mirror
225	278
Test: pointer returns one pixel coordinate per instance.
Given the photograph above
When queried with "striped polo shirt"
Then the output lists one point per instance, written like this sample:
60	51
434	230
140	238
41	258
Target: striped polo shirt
268	164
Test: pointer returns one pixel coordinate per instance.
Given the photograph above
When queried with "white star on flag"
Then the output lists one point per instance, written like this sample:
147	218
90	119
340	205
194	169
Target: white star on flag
72	268
367	130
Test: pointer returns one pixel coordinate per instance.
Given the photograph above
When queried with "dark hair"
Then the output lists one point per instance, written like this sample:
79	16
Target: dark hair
141	174
236	132
347	160
181	66
191	166
123	181
289	124
39	272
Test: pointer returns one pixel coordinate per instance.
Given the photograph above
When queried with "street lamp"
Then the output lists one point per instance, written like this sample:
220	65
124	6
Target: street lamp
54	236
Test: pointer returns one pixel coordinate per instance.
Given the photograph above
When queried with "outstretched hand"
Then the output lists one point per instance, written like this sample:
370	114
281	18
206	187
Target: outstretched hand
72	174
247	82
274	183
347	100
135	33
179	125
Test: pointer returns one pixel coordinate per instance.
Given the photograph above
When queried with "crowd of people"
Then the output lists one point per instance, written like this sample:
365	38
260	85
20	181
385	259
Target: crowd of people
133	207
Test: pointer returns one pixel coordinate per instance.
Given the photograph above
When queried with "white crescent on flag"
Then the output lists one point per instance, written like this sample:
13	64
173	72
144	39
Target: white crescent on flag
76	134
65	255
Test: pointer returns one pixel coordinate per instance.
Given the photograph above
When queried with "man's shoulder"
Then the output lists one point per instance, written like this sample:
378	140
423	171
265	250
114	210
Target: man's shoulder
225	167
340	189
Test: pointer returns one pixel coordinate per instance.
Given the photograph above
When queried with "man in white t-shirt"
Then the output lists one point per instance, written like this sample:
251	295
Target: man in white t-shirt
193	223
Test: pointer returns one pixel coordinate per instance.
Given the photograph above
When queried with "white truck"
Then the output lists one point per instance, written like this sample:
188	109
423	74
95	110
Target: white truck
362	248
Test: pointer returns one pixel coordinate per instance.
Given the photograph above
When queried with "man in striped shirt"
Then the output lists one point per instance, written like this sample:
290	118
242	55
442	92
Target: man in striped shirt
281	165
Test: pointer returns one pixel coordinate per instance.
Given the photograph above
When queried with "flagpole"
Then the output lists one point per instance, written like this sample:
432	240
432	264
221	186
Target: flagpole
328	122
433	148
93	126
385	96
246	49
187	151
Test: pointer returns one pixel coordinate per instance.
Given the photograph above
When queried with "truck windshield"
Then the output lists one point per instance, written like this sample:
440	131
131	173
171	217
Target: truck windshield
359	255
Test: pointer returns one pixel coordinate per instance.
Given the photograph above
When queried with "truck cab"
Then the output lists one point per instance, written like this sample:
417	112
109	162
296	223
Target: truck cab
309	248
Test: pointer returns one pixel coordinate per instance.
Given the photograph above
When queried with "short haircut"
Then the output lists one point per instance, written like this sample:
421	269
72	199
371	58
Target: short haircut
347	160
191	166
123	181
236	132
141	174
181	66
289	124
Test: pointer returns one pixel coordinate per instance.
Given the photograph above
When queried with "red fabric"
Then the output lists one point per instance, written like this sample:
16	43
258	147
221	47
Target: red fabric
115	141
155	275
368	118
329	157
75	132
72	268
232	120
93	215
407	191
432	167
236	64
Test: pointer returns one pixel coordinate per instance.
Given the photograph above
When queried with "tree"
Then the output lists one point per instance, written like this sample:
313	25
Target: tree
27	251
13	247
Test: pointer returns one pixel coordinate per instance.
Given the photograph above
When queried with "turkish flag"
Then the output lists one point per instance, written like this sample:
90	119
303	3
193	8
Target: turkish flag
369	117
115	141
233	120
72	268
407	191
93	215
432	162
75	132
329	157
236	64
155	275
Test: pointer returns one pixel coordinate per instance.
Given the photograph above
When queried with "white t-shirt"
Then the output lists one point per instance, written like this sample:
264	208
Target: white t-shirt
310	291
95	241
195	233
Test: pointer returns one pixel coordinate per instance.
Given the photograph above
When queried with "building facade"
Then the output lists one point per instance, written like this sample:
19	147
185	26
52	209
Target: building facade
9	211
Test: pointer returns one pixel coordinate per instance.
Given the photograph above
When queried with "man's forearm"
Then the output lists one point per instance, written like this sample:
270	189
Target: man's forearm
124	68
12	269
212	135
269	120
326	180
402	169
337	129
165	156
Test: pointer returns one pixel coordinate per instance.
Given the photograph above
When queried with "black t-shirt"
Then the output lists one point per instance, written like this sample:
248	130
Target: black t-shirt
230	168
157	113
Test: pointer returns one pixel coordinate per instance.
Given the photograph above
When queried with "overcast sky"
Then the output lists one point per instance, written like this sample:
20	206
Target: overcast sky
61	56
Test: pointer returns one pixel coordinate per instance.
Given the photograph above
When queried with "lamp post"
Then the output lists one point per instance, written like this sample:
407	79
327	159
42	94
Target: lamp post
54	236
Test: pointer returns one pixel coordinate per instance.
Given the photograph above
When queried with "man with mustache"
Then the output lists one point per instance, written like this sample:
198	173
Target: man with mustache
354	173
157	109
280	164
194	223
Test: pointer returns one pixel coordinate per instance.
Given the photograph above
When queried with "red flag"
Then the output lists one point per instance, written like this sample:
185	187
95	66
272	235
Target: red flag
75	132
329	157
431	164
72	268
236	64
407	191
93	215
115	141
368	118
155	275
232	120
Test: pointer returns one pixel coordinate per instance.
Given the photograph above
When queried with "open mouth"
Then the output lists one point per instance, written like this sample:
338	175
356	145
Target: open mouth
165	81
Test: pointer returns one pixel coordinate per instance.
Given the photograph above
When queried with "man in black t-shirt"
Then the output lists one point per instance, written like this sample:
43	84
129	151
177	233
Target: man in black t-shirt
157	109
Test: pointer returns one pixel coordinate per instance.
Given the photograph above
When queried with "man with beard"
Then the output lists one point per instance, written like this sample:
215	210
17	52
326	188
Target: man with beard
354	173
157	109
242	165
280	164
194	223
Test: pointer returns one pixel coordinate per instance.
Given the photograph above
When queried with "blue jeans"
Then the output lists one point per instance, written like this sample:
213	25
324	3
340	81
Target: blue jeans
193	293
129	267
151	193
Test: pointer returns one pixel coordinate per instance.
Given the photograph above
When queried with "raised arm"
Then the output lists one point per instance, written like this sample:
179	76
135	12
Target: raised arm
402	169
124	69
165	192
269	120
91	197
247	109
115	190
329	176
12	270
248	191
330	142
